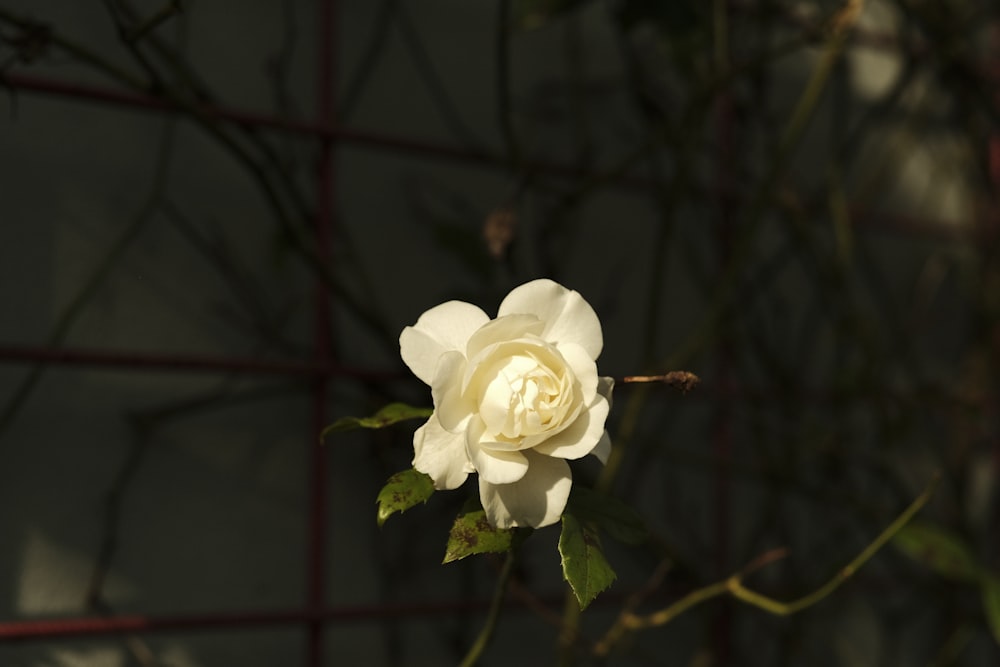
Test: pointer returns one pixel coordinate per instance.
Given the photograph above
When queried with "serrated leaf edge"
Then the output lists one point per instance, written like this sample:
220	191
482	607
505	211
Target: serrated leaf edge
584	598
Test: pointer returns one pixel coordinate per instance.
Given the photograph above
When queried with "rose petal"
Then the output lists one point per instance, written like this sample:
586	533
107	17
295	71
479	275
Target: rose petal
503	329
604	387
441	329
603	449
531	441
498	466
583	367
537	499
494	408
441	454
580	437
451	406
568	317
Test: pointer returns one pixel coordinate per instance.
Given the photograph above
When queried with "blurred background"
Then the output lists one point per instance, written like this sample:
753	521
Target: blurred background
217	218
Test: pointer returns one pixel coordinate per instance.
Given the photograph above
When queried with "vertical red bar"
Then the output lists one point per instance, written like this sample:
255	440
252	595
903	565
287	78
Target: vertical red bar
993	77
317	459
722	432
722	437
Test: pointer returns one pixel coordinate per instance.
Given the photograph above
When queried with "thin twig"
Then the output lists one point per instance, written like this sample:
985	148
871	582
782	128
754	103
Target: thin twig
368	61
96	280
165	13
502	82
437	89
486	634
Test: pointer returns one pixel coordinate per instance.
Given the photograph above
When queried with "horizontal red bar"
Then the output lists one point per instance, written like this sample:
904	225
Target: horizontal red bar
170	362
888	221
54	628
13	354
140	101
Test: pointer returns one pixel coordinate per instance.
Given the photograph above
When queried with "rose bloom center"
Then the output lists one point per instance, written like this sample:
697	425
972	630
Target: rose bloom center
525	394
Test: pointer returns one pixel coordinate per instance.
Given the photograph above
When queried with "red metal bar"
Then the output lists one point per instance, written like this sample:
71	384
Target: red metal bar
26	354
96	626
316	129
722	439
325	188
181	363
378	140
322	130
61	628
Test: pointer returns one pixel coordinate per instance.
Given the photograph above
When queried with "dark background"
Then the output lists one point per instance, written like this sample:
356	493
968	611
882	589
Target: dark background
215	222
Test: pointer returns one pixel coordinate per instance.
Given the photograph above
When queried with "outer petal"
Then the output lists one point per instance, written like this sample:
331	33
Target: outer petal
497	466
603	449
439	330
537	500
583	367
451	407
568	317
581	437
605	385
441	455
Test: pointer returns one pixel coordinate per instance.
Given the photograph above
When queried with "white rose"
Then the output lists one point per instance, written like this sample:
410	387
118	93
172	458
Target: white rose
514	397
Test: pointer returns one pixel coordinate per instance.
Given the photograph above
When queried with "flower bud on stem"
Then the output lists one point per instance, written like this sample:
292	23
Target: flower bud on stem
683	381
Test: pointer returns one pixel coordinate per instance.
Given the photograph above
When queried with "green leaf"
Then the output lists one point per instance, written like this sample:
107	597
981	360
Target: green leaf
938	549
472	534
991	604
388	415
611	515
583	562
401	492
531	14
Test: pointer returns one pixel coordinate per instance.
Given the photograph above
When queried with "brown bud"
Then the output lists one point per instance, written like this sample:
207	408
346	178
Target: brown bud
499	230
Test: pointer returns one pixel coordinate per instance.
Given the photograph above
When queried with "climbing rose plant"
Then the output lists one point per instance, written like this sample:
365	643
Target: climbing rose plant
516	397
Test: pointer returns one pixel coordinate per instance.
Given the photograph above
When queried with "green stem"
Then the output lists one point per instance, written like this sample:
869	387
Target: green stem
569	629
786	608
628	622
486	634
